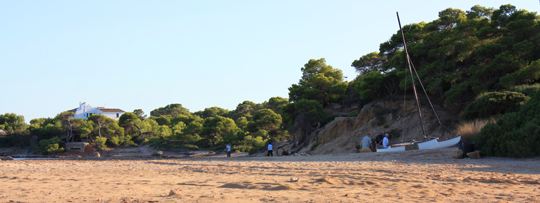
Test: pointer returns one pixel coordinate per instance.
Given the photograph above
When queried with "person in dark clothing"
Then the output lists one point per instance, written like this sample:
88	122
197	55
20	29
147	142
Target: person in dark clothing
379	139
228	149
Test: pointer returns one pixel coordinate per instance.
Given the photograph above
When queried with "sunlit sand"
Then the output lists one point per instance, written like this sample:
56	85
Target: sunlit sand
430	176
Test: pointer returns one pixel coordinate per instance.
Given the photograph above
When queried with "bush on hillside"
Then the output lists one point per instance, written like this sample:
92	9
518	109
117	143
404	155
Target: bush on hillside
515	134
494	103
101	143
527	89
50	146
527	75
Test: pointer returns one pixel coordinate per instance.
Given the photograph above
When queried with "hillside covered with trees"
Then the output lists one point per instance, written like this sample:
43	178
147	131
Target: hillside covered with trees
481	63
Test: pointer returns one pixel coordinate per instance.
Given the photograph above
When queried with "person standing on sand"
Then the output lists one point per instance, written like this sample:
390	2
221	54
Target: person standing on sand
228	149
385	141
270	149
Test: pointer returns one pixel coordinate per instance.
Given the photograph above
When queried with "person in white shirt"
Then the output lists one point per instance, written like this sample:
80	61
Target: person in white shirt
228	149
385	141
270	149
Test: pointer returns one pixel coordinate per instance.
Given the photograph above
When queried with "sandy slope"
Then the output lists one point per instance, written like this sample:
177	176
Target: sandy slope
416	177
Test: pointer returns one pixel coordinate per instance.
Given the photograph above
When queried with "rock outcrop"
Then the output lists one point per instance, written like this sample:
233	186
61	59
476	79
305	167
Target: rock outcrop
400	119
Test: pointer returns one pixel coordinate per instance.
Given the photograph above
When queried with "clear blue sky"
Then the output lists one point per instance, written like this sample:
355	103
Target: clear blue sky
146	54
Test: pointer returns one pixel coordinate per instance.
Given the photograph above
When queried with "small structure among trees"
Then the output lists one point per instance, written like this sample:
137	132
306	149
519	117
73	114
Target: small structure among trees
84	111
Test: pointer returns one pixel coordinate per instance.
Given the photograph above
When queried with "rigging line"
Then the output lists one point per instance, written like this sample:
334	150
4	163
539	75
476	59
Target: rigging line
412	77
404	102
429	100
425	93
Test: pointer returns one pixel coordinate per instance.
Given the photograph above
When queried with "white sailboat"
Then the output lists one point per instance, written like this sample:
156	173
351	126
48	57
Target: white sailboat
430	144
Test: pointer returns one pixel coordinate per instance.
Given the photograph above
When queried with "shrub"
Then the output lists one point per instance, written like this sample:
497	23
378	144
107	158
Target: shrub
100	143
115	141
251	144
515	134
15	141
128	141
50	146
526	75
494	103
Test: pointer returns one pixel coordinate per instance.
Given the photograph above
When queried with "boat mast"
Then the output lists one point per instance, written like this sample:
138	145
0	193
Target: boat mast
412	77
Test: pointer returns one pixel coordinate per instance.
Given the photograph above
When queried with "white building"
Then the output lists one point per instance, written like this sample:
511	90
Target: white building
84	111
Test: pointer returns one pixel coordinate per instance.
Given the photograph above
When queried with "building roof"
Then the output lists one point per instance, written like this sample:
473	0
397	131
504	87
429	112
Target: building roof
110	109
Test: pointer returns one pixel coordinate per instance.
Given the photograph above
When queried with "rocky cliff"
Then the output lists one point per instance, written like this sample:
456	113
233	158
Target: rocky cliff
397	117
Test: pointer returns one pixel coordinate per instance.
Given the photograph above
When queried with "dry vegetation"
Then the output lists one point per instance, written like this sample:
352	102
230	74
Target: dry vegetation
470	129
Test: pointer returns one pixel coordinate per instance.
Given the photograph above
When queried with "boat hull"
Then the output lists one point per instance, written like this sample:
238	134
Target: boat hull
431	144
435	144
392	149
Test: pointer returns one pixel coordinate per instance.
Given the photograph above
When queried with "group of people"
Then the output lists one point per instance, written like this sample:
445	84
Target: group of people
381	141
269	149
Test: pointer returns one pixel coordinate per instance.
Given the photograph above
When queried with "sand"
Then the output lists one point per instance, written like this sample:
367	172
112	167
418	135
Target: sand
407	177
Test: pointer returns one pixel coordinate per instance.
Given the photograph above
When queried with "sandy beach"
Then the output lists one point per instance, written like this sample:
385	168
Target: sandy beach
428	176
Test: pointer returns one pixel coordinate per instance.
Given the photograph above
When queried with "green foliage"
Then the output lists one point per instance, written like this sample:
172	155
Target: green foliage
168	127
173	110
213	111
245	109
50	146
12	123
368	86
529	74
515	134
45	128
15	141
218	129
276	104
528	90
139	113
320	82
100	143
369	62
251	144
494	103
309	112
459	56
266	119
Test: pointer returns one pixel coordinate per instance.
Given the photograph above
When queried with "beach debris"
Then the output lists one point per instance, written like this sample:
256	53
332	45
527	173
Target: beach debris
325	180
158	153
294	179
459	154
474	155
6	158
172	193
